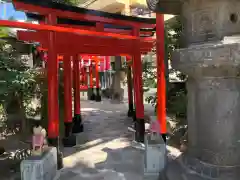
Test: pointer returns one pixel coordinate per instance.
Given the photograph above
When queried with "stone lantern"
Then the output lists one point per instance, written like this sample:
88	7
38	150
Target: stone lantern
211	59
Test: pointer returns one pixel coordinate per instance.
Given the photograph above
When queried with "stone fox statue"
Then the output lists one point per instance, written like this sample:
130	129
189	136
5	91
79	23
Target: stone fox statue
39	141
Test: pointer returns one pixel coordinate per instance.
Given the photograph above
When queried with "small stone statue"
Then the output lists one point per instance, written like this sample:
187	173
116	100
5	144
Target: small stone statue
39	142
155	150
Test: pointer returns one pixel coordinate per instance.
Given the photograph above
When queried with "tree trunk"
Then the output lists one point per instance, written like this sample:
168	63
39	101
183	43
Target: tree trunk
44	107
24	124
116	84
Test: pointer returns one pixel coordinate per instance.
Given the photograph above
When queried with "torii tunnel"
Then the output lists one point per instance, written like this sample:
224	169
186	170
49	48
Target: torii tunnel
71	32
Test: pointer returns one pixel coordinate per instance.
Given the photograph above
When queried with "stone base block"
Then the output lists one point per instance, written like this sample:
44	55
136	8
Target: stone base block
154	156
42	167
69	141
185	168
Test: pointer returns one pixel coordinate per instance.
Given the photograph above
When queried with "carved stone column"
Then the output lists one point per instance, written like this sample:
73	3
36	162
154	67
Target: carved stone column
213	110
211	60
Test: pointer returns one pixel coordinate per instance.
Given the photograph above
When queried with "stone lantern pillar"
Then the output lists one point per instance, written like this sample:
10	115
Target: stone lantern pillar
211	59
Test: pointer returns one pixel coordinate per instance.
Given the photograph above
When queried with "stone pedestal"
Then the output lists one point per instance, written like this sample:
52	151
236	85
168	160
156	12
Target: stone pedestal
213	112
211	60
42	167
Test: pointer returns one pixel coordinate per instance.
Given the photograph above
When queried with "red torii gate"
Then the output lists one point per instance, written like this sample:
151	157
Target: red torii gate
97	41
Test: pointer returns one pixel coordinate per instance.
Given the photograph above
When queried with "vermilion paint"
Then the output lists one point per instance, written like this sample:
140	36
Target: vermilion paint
137	78
108	63
110	47
97	71
44	27
52	71
161	82
67	70
72	15
53	37
77	105
91	74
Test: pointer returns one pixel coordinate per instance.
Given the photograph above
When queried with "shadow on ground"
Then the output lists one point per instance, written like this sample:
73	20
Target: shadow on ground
106	152
110	164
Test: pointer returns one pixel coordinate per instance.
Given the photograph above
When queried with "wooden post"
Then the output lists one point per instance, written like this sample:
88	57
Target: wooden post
161	82
67	95
91	90
130	88
98	96
137	76
77	123
53	107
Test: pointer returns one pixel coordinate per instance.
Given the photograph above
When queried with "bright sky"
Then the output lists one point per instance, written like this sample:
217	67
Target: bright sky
10	12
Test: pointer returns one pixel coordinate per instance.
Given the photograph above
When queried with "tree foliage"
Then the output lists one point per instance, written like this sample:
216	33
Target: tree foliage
17	81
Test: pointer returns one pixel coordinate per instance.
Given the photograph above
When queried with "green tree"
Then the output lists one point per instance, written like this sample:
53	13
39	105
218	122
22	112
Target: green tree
17	83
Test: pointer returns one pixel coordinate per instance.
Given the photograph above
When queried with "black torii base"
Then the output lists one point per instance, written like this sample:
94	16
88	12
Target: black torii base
69	140
131	111
77	124
139	126
98	97
91	94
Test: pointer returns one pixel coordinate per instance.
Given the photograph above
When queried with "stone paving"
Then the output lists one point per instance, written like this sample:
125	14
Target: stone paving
107	153
104	151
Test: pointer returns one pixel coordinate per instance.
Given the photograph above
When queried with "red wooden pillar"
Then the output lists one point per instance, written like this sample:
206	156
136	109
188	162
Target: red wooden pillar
69	140
85	75
130	87
67	94
161	81
138	89
91	95
98	96
83	72
80	73
53	107
77	120
107	68
90	75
